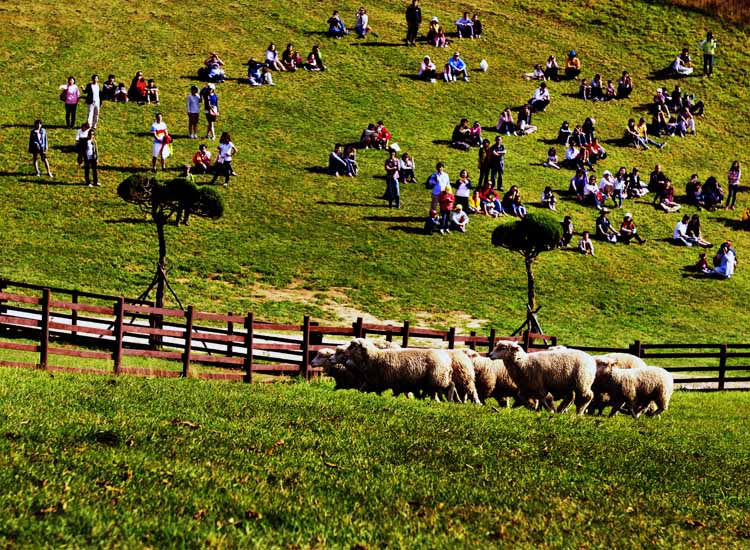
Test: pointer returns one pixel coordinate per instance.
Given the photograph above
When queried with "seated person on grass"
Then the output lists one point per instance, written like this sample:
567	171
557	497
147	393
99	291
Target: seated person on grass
572	66
458	67
465	26
202	160
604	229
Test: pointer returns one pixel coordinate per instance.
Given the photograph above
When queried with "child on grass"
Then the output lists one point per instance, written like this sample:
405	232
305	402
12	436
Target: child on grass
552	161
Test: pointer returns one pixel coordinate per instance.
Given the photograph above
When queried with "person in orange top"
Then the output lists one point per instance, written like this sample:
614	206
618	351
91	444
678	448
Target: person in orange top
628	231
572	66
202	160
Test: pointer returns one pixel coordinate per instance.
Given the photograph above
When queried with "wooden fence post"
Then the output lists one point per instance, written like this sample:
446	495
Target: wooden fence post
554	340
722	366
118	330
492	339
405	339
359	331
389	336
304	365
230	332
636	349
74	316
3	287
452	338
188	339
472	343
44	336
526	340
249	347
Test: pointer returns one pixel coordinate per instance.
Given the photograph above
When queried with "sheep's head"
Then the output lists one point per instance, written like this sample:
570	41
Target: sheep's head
471	353
355	354
505	349
324	358
345	378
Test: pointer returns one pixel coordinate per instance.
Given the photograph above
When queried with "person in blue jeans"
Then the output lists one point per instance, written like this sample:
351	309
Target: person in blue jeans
497	163
391	179
458	67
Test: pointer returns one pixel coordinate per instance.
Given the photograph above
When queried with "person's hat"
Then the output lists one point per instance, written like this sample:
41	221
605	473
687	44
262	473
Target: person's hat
572	53
455	54
605	210
434	19
628	216
433	212
606	173
658	90
211	86
459	208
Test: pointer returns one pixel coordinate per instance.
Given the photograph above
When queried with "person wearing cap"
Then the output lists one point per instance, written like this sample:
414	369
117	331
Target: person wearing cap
607	187
459	219
458	67
604	230
628	230
413	20
211	109
432	223
436	34
708	47
572	65
446	200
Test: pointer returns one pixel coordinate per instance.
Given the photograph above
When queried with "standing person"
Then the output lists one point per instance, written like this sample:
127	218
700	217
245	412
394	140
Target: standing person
211	106
93	100
70	95
413	20
38	146
161	148
193	111
438	181
392	191
497	165
733	184
224	159
446	199
484	163
82	136
708	47
91	160
463	190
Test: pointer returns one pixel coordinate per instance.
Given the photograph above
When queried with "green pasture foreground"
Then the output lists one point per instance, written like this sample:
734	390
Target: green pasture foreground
294	241
132	463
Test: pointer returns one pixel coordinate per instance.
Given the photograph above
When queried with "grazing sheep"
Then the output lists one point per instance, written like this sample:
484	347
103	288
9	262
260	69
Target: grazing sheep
566	374
401	370
334	365
463	377
493	380
637	388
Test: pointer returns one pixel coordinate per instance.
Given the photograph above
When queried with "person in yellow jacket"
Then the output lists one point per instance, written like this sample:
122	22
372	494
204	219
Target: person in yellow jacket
572	66
708	47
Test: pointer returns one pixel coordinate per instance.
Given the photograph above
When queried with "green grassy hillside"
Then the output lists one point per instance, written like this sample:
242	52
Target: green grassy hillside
133	463
294	241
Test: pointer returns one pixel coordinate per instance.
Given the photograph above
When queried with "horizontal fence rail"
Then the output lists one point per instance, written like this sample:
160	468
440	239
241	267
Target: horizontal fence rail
235	347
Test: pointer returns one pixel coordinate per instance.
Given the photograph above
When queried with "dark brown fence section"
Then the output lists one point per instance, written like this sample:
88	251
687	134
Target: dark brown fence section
127	328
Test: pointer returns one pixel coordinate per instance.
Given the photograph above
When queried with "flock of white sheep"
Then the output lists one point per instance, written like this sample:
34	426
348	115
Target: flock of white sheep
534	380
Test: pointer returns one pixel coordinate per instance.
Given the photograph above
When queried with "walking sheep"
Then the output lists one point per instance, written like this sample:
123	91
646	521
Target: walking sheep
493	380
401	370
566	374
334	365
637	388
619	360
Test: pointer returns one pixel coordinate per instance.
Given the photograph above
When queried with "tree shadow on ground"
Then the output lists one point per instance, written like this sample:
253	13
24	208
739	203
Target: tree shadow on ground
129	220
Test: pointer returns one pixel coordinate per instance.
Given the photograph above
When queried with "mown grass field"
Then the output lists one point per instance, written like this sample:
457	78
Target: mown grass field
294	241
133	463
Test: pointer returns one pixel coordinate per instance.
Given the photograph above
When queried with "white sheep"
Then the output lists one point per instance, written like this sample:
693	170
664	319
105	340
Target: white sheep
566	374
637	388
493	380
463	376
334	365
401	370
617	360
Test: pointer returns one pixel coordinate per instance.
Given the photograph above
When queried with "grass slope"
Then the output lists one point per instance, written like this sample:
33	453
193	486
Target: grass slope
133	463
281	218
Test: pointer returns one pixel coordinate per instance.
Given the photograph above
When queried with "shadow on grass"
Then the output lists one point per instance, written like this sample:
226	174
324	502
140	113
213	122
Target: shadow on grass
30	125
128	220
378	44
65	149
404	219
341	203
9	173
692	272
551	141
734	223
126	169
45	181
141	134
407	229
317	170
412	76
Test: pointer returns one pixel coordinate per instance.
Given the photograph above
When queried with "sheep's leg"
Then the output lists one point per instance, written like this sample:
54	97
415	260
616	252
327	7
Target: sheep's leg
565	405
635	410
548	403
582	402
616	405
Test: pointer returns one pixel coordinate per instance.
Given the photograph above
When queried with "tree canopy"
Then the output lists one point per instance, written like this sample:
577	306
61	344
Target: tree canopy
163	199
537	232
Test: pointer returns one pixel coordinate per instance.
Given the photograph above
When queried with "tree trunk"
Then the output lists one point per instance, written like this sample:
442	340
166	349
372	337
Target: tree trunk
531	287
157	320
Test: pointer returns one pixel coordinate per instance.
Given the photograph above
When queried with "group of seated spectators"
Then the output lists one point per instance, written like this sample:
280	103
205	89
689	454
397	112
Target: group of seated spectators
465	136
687	232
290	59
708	195
343	161
674	114
596	90
337	28
375	136
520	127
212	69
454	69
141	91
590	190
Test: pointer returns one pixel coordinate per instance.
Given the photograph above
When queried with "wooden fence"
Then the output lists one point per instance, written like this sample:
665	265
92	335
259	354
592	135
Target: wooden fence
235	347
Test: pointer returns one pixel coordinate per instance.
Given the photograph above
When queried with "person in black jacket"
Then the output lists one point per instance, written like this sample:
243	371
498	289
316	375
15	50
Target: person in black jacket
413	20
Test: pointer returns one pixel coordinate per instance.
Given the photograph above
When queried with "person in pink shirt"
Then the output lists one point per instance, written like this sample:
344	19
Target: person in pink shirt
69	94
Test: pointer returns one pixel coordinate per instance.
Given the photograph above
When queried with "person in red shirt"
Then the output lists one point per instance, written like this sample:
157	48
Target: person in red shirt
202	160
446	200
382	135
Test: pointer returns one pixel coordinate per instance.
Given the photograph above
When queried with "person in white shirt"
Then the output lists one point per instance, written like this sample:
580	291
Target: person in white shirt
680	235
193	111
586	245
541	98
427	71
439	180
459	219
93	100
272	58
161	148
224	160
362	26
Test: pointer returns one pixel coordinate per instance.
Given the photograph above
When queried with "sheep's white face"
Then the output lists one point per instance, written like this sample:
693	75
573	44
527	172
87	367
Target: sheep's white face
504	350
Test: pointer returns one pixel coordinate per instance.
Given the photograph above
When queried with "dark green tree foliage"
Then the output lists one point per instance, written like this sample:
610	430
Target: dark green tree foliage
161	200
536	233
